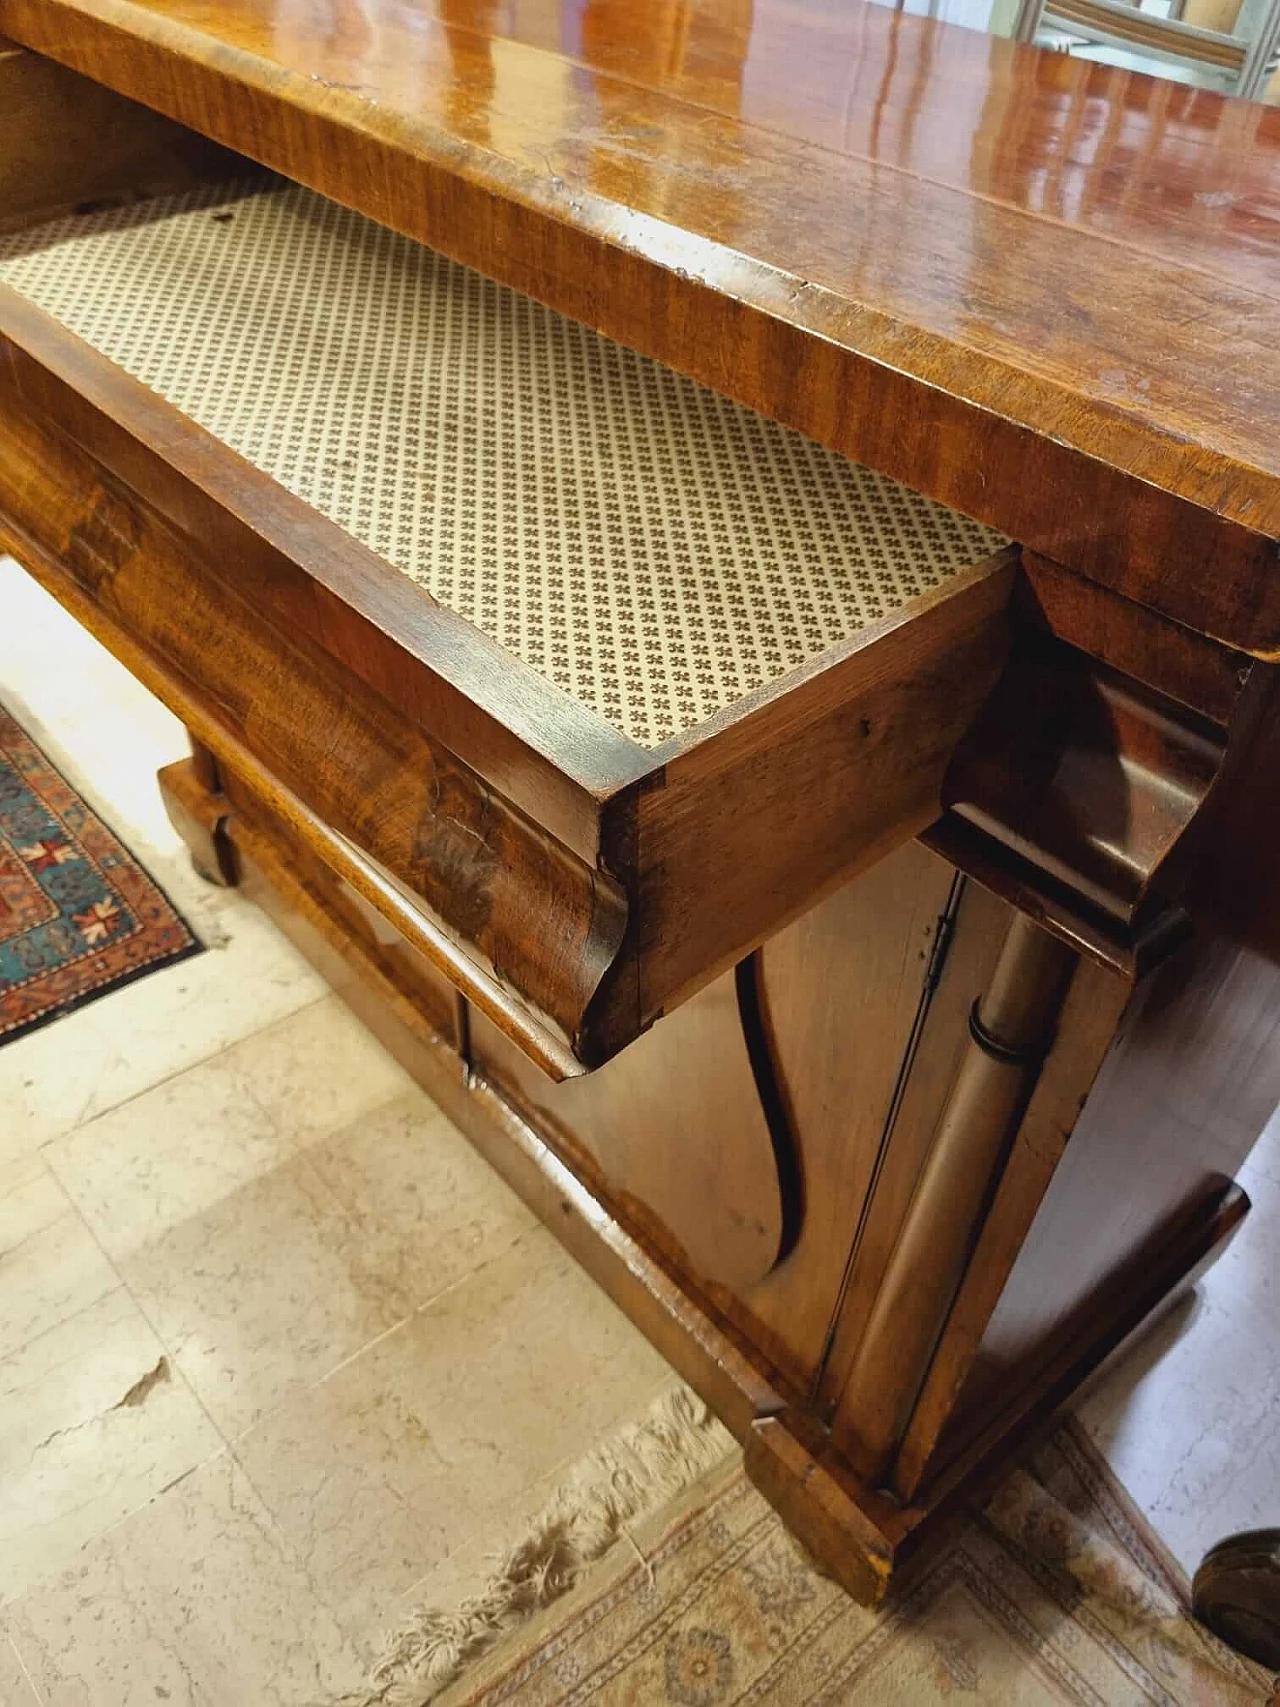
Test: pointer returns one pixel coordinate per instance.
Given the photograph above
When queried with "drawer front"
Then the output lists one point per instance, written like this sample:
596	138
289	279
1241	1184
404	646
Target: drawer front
583	859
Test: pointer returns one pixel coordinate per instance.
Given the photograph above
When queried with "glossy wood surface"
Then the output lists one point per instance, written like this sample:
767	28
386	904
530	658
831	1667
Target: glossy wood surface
676	1128
842	1019
278	705
1077	769
1189	1084
1039	290
1011	1027
675	1125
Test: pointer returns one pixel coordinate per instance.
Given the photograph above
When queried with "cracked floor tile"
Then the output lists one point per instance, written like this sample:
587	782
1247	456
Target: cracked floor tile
94	1422
438	1431
269	1290
195	1601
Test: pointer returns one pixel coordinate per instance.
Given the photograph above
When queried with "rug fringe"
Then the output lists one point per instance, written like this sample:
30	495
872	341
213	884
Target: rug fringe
625	1478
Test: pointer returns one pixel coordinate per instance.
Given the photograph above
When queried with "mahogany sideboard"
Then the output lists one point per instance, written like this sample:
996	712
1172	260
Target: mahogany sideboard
720	562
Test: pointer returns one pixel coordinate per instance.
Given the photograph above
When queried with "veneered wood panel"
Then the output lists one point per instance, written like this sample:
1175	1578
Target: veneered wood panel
1133	639
675	1126
853	765
1237	884
977	932
675	1122
1184	1094
1095	386
843	988
274	703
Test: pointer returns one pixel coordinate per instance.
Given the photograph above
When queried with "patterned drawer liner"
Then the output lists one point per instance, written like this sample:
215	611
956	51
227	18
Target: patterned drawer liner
654	549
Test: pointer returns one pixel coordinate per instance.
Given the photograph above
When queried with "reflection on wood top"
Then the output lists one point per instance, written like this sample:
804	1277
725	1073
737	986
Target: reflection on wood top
1038	289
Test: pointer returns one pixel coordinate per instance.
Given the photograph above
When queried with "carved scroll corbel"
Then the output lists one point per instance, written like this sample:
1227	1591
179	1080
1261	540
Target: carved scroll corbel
1081	795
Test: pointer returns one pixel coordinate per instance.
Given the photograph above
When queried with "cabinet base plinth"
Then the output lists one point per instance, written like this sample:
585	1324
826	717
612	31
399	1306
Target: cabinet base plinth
857	1533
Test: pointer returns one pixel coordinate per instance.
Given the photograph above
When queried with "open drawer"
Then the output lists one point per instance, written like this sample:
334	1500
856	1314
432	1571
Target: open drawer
603	676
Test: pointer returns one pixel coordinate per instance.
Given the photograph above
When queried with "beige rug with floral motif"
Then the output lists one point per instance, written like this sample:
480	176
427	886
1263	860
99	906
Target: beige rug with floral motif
1054	1592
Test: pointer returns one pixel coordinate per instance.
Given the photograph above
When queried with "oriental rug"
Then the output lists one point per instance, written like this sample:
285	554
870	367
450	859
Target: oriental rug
1052	1591
79	916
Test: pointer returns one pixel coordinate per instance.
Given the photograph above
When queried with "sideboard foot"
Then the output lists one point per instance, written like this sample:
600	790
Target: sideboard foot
198	810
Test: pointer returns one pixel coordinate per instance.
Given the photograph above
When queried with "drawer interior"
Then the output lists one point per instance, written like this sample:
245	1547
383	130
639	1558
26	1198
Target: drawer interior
603	675
651	548
67	143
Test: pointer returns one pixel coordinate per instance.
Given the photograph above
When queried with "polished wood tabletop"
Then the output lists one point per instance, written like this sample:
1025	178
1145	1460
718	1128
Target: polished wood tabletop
1041	290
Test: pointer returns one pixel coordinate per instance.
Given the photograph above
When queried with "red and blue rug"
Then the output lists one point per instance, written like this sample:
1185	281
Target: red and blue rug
79	916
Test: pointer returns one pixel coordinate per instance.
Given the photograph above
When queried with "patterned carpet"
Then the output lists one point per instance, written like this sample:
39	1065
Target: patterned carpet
1054	1592
78	914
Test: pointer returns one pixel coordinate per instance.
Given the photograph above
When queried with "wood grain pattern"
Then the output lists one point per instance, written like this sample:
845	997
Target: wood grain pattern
199	812
1011	1028
676	1131
882	231
1186	1246
68	143
975	930
842	987
1235	885
864	740
1092	1014
1039	291
515	901
1132	639
1094	781
1111	805
815	1505
674	1124
1191	1082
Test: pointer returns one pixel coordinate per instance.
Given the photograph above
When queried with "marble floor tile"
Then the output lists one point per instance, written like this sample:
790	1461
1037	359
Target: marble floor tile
94	1421
264	1294
169	1153
398	1458
318	1071
15	1686
109	735
97	1058
419	1196
1190	1420
194	1602
270	1289
50	1264
186	1144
